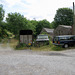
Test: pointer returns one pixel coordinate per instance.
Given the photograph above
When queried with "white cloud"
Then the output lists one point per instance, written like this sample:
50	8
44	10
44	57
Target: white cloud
46	8
10	3
38	9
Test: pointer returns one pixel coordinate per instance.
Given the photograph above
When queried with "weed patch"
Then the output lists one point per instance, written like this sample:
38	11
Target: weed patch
57	48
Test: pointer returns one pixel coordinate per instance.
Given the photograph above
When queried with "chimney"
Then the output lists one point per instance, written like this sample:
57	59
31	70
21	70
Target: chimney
73	19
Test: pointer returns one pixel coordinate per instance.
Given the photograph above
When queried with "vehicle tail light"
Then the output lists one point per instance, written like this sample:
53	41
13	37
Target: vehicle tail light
58	42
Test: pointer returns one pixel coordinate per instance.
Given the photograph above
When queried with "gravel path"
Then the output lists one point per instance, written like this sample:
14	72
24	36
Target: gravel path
28	62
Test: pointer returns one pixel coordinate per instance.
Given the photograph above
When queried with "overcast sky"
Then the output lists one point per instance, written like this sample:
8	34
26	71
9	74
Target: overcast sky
38	9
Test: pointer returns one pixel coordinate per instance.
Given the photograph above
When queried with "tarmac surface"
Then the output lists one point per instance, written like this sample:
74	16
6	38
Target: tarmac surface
28	62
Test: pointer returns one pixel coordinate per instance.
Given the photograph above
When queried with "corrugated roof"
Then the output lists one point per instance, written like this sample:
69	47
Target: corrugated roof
65	26
49	30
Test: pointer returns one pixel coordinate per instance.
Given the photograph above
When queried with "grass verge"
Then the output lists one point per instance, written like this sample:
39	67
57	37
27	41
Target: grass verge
14	43
49	47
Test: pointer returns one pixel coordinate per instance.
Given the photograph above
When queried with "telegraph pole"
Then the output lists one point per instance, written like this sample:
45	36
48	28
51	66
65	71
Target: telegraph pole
73	19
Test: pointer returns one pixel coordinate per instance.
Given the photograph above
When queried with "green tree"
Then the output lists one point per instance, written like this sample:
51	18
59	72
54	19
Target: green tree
2	24
16	22
34	23
1	13
42	24
64	16
3	31
53	25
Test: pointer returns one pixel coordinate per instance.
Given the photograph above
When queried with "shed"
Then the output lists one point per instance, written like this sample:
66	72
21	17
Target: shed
63	30
47	31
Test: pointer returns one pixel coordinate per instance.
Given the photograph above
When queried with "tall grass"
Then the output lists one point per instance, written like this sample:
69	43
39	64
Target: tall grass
9	42
13	43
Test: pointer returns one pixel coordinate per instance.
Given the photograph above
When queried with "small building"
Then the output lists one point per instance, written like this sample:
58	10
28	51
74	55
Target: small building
26	37
63	30
47	31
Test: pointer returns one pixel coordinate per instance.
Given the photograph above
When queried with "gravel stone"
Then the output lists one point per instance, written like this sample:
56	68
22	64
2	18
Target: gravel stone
28	62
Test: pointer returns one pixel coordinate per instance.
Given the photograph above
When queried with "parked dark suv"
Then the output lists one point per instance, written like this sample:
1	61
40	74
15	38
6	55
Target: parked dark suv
64	40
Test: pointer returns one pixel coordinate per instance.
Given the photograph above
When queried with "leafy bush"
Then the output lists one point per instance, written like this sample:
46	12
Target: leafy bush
0	39
21	45
57	48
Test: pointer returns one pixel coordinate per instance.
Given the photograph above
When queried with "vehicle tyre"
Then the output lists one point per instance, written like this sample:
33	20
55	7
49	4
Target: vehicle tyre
66	45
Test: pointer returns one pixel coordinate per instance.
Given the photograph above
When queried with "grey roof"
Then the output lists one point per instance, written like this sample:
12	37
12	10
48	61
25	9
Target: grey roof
49	30
65	26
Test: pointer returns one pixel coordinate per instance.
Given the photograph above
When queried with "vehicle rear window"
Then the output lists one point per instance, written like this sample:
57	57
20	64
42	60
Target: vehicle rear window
64	38
42	37
61	38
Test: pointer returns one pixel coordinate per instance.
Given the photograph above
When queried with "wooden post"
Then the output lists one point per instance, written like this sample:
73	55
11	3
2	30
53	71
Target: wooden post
73	19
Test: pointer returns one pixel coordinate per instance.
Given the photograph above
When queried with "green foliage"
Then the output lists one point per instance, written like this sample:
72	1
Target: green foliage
56	48
2	33
1	13
5	34
8	34
44	33
64	16
50	47
16	22
0	39
21	46
42	24
53	25
4	40
34	23
2	24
